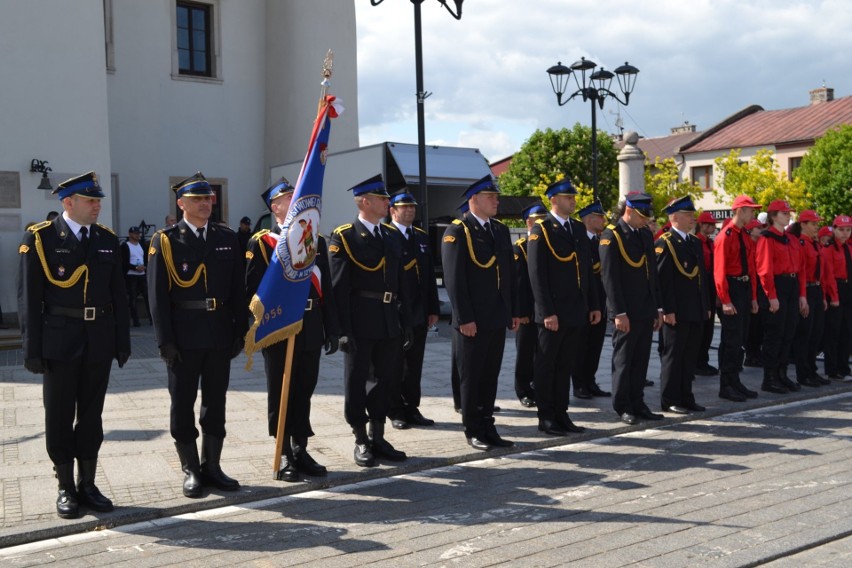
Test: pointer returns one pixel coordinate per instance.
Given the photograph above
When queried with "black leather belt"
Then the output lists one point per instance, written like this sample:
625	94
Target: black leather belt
842	280
743	278
813	284
207	304
385	297
89	313
787	274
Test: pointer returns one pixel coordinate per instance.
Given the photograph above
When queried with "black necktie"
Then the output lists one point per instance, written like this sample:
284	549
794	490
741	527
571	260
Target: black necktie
84	237
568	227
200	232
377	233
818	261
743	254
488	231
408	233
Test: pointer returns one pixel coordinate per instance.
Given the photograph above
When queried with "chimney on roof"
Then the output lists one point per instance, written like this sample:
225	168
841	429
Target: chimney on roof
684	128
822	95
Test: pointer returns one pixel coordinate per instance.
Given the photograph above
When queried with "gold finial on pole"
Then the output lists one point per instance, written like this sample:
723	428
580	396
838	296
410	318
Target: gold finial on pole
327	65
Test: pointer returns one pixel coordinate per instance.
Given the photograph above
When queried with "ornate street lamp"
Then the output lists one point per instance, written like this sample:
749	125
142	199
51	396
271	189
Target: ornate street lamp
592	86
422	95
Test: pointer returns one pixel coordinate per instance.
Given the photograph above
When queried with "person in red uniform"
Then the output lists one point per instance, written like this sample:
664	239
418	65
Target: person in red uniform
754	334
781	297
705	229
809	331
838	332
736	286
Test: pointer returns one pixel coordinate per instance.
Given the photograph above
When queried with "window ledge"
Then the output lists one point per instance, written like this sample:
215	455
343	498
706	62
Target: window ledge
197	79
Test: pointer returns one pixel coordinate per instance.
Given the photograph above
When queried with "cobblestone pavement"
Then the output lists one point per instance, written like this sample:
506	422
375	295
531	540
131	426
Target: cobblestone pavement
768	485
140	471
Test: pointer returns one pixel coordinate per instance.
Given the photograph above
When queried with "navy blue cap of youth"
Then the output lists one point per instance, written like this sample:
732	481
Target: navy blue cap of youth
639	200
680	204
193	186
534	211
561	187
596	208
372	186
277	189
85	185
485	185
403	198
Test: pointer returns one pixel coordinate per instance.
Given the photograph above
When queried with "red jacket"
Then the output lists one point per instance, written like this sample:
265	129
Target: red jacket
837	258
778	253
727	261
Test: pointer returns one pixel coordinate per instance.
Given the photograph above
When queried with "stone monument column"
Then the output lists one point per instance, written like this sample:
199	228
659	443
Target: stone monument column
631	166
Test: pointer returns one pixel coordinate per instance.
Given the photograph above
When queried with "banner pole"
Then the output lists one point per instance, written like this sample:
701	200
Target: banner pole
282	406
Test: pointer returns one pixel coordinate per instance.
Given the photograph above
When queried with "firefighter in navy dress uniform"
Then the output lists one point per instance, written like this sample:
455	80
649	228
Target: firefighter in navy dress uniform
560	266
633	300
319	328
526	338
686	305
479	272
74	321
404	391
375	319
196	285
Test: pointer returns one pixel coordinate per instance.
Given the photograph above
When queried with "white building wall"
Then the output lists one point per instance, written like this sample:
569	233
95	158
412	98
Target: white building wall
53	106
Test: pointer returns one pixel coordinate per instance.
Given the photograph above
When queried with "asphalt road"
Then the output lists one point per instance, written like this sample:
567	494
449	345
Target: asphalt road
767	486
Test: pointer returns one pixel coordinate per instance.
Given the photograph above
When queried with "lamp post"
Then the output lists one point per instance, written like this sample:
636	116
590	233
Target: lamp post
594	87
422	95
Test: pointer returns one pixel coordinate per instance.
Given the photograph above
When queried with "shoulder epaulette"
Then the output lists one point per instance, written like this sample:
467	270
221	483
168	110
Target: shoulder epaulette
390	226
540	221
421	230
259	234
496	220
342	228
457	221
225	228
667	235
40	226
610	227
521	241
105	228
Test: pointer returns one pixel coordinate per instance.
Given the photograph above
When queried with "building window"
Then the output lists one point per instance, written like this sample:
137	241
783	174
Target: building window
792	166
703	177
194	39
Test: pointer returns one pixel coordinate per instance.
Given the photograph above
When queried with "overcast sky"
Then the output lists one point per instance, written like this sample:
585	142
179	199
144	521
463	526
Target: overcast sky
699	61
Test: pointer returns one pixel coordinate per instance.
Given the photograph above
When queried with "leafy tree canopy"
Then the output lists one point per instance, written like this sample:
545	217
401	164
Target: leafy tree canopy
826	171
759	178
662	183
550	155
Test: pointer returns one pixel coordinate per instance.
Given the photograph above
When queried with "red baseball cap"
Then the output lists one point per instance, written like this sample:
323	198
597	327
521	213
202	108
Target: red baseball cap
745	201
824	232
753	224
843	221
706	217
779	205
808	215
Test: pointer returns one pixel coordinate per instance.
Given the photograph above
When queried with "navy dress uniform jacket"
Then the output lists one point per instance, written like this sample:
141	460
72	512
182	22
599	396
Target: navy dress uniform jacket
625	266
62	338
684	286
522	279
479	273
221	280
560	266
419	273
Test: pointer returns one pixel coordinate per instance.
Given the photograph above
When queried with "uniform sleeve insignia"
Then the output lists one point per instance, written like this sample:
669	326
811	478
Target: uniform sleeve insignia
605	242
333	248
249	255
23	249
152	251
659	250
533	237
449	239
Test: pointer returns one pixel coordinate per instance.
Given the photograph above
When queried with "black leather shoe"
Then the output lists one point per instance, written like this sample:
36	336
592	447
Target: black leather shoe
598	391
66	504
551	427
497	408
774	386
478	444
676	409
694	407
565	423
383	449
809	382
527	402
628	418
288	470
306	464
743	390
87	492
648	415
730	393
458	410
583	392
400	424
211	471
752	362
791	385
820	379
706	371
649	383
494	439
363	456
413	416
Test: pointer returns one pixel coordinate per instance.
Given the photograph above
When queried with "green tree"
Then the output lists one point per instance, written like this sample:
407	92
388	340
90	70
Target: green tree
759	178
826	171
663	184
549	155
